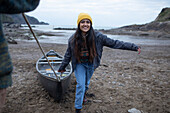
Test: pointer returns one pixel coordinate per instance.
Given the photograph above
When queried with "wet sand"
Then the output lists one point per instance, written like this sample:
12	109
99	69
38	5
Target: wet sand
124	80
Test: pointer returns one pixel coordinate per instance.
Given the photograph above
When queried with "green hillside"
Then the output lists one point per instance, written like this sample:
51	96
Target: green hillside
164	15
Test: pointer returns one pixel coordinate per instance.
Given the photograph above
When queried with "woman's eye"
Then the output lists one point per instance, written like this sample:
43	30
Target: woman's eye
83	21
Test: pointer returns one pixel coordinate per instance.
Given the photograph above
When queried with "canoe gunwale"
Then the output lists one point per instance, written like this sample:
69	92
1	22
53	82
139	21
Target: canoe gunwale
59	59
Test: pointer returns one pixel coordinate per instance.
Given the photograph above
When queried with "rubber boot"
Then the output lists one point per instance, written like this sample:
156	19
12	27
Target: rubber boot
78	111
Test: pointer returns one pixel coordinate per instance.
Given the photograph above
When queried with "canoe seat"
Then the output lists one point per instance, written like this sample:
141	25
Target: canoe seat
52	58
50	62
51	72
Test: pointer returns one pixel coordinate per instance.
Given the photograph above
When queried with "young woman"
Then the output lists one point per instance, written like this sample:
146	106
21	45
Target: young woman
85	48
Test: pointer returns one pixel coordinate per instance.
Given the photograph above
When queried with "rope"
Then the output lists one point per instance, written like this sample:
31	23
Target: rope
58	78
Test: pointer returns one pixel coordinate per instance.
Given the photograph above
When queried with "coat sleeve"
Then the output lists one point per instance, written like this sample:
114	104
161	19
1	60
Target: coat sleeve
116	44
67	58
17	6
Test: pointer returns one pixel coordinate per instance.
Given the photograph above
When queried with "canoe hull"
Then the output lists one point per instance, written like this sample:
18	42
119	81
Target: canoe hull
54	88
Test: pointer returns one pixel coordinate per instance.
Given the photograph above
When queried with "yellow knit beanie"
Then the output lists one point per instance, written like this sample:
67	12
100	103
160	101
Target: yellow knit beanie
83	16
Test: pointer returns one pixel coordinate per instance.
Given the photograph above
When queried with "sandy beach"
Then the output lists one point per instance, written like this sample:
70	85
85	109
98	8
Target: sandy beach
123	81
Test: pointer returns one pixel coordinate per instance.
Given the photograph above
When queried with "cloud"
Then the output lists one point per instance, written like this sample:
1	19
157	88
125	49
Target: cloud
106	12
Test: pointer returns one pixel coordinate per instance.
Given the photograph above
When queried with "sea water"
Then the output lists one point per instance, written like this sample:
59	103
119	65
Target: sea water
62	36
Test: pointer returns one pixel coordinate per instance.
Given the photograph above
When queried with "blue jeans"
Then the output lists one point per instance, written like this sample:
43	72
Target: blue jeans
83	73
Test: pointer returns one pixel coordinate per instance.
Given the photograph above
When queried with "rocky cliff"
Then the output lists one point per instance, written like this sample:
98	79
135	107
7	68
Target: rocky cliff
159	28
164	15
18	19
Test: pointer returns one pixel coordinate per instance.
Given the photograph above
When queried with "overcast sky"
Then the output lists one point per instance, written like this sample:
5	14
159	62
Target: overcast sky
111	13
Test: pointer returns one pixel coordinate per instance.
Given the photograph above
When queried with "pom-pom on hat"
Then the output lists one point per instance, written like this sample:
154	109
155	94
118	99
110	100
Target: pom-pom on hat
83	16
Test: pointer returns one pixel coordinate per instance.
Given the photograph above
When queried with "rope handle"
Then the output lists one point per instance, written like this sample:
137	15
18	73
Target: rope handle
25	18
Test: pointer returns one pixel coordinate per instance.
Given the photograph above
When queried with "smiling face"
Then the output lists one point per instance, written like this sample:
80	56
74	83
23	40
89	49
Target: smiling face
85	25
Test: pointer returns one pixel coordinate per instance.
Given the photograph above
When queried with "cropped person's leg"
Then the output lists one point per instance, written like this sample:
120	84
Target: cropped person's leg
2	98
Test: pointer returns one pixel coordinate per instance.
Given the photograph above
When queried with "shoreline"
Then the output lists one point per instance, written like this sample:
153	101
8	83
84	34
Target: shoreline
13	32
13	35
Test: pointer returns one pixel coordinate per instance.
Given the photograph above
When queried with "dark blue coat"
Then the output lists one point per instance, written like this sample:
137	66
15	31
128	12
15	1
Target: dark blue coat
100	41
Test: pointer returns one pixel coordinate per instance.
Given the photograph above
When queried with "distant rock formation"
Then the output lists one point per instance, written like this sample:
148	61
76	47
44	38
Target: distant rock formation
164	15
18	19
159	28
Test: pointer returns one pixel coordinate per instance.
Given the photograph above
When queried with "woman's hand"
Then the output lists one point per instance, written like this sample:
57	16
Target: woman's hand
139	50
61	71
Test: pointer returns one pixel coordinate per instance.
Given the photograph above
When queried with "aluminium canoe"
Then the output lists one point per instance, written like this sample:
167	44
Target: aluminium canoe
55	86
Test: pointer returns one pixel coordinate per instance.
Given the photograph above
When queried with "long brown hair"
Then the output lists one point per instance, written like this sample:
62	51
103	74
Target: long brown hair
90	41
